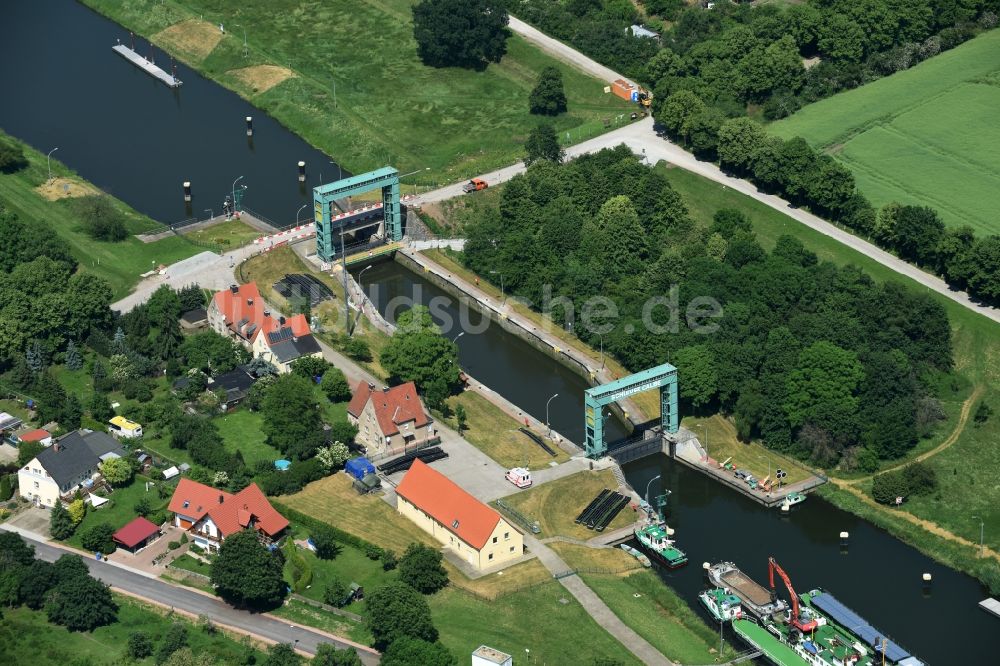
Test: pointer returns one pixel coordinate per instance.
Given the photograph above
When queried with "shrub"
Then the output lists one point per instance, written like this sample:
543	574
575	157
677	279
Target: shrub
325	542
389	560
983	413
100	218
11	157
6	488
139	646
373	552
98	539
173	545
335	592
358	349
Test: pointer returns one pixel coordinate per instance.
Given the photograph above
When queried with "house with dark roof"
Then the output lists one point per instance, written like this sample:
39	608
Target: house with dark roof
210	515
71	462
235	384
472	530
390	419
240	313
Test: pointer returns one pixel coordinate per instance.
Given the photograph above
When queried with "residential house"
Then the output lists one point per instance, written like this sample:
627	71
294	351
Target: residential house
240	313
472	530
210	515
235	384
69	463
389	419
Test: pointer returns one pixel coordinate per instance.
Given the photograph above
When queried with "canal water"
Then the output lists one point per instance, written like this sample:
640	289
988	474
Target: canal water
878	576
130	134
503	362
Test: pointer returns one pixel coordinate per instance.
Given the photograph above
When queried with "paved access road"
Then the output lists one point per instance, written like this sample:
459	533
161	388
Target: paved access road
264	626
642	139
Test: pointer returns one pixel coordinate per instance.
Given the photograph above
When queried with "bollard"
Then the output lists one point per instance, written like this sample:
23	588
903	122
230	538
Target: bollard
302	172
249	126
927	579
187	191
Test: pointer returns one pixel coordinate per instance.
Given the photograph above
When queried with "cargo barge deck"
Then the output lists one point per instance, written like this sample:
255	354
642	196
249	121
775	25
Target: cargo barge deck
756	599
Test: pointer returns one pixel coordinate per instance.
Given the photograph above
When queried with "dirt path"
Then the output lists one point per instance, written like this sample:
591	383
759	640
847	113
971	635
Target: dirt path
928	525
963	419
932	527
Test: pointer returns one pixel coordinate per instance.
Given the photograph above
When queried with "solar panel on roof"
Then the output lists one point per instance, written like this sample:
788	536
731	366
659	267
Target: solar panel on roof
857	625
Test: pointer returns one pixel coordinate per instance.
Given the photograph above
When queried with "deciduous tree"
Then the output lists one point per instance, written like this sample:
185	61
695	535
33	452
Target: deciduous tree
396	610
292	420
420	567
81	603
246	573
548	97
408	651
460	33
542	145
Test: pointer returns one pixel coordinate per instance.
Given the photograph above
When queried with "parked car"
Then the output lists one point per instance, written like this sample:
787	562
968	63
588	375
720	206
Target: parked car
743	474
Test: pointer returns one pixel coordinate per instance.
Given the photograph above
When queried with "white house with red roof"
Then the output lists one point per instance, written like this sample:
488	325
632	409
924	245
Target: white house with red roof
240	313
389	418
210	515
472	530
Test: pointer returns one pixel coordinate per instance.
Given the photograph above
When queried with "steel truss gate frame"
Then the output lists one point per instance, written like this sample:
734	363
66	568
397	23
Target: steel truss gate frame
663	377
324	206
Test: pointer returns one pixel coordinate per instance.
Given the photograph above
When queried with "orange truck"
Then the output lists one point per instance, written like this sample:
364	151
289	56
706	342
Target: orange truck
475	185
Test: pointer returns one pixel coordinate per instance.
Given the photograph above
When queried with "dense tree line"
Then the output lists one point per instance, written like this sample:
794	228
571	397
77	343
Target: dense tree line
737	54
460	33
815	359
806	177
64	588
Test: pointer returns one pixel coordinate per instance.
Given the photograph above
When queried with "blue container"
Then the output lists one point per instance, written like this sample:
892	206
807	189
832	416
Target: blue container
359	467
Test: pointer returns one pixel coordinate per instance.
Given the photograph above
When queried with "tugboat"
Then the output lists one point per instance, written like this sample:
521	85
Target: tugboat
653	536
791	499
722	604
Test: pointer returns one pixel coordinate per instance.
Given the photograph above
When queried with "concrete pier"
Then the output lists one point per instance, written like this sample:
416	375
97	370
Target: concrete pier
146	66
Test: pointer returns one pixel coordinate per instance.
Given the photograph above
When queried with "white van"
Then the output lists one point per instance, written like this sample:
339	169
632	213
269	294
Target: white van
519	476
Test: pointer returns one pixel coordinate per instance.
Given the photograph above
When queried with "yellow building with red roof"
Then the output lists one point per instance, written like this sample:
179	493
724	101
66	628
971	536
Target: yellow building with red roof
472	530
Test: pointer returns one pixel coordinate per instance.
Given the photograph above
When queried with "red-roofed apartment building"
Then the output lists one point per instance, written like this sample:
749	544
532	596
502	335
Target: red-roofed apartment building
389	418
240	313
474	531
210	515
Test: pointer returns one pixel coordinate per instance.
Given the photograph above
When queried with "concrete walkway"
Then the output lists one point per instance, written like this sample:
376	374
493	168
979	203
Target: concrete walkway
596	608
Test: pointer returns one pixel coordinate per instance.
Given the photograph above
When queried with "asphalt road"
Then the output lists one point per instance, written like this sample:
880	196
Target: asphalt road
642	139
200	604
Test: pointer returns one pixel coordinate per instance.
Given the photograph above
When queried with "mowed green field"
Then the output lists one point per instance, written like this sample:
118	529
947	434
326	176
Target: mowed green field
925	136
359	91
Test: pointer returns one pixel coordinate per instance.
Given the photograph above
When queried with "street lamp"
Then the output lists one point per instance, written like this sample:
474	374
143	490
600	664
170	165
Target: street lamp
704	429
648	485
234	190
297	213
502	292
601	336
982	545
413	172
246	52
548	427
211	213
48	162
455	339
364	296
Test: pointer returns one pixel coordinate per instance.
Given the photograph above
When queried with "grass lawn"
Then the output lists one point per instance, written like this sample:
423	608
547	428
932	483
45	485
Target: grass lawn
720	434
535	618
555	504
966	467
229	234
191	564
599	560
241	431
298	612
925	136
657	614
119	263
351	566
346	77
333	500
495	433
26	632
121	508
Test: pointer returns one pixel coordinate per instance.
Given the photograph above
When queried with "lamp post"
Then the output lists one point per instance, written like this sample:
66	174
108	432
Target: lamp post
601	336
648	485
982	543
413	172
455	339
364	296
211	213
297	213
704	429
503	293
246	52
48	162
234	191
547	426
